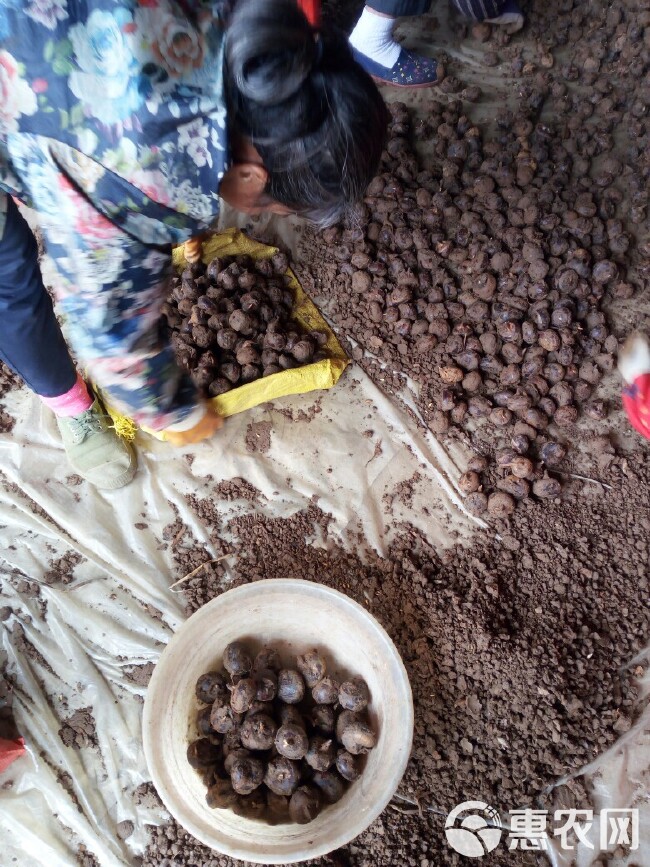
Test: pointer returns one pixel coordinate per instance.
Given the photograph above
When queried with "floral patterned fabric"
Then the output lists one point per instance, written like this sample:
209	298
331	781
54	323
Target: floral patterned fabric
113	127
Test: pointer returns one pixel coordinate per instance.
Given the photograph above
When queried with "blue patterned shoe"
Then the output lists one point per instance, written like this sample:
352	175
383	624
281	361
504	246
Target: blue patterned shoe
410	70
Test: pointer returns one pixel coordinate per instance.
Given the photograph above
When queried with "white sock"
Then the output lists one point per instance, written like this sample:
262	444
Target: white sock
373	36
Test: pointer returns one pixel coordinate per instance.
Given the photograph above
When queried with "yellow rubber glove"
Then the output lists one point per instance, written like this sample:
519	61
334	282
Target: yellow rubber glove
194	247
207	425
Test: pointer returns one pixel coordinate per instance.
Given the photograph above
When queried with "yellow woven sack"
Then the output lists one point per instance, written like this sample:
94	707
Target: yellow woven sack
319	375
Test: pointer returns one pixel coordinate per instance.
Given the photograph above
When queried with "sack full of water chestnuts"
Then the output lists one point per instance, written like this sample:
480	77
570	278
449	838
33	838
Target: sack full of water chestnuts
243	328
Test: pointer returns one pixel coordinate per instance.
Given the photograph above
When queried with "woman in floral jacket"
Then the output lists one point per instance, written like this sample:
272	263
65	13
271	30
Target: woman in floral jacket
121	124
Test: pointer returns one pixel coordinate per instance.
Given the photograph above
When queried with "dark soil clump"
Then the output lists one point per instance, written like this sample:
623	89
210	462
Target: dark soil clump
61	571
258	437
78	731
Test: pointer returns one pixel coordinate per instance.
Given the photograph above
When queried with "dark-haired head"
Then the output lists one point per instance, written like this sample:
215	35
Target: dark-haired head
314	116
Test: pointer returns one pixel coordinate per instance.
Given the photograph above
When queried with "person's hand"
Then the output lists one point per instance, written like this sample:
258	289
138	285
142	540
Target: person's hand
193	248
208	425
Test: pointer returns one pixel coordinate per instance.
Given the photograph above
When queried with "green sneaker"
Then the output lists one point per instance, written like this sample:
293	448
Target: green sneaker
94	449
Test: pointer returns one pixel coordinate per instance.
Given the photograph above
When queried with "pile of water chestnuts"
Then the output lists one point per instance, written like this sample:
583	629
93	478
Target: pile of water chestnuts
279	743
230	323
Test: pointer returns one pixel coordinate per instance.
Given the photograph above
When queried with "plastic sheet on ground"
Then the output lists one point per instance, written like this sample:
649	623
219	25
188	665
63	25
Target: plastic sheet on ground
74	645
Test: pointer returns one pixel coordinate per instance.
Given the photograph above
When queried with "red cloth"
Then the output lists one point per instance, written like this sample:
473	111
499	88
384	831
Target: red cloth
10	751
636	400
311	8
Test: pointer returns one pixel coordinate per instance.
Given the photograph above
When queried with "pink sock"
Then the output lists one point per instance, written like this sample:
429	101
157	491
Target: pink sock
73	402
